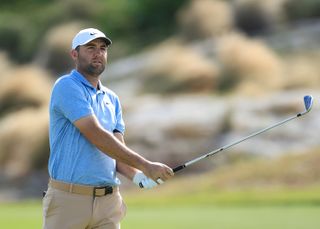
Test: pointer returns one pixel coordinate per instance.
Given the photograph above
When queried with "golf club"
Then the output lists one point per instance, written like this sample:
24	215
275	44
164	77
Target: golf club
308	101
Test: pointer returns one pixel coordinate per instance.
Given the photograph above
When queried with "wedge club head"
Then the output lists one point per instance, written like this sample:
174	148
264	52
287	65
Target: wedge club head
308	102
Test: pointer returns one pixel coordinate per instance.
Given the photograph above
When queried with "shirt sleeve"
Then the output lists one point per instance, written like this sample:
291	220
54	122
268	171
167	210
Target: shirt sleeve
68	98
120	126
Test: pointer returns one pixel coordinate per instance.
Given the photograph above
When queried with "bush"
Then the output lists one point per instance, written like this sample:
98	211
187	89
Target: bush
206	18
24	97
138	22
180	69
248	64
297	9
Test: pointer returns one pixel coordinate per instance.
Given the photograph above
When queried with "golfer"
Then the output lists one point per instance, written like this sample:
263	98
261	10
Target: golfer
87	145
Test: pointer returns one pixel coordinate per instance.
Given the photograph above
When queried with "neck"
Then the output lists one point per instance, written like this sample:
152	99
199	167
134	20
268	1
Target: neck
93	79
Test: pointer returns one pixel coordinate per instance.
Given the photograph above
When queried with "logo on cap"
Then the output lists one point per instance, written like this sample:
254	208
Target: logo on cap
93	33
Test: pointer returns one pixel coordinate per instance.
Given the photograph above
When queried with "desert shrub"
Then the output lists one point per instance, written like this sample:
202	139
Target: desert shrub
54	50
24	97
22	136
24	87
205	18
180	69
302	70
249	65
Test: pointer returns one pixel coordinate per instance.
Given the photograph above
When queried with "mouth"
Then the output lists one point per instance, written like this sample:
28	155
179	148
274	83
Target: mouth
97	62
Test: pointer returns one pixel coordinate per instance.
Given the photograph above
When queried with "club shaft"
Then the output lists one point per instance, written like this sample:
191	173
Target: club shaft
178	168
308	101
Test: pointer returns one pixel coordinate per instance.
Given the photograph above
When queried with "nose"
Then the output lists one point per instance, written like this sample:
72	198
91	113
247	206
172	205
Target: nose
100	52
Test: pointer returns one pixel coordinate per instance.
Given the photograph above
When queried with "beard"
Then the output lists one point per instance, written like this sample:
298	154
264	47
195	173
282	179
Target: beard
91	69
95	70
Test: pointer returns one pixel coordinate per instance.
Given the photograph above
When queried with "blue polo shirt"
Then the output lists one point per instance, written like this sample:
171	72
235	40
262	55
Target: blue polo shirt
73	158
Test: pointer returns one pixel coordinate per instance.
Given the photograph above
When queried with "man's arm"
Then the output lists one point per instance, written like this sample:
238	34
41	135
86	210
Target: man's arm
133	174
110	145
122	168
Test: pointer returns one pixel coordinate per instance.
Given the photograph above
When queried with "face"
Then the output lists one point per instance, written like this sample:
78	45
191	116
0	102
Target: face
91	58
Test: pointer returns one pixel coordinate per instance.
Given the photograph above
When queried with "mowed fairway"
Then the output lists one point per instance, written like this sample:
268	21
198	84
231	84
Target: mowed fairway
28	215
195	217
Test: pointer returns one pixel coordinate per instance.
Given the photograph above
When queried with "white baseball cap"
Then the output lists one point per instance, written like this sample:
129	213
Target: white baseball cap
87	35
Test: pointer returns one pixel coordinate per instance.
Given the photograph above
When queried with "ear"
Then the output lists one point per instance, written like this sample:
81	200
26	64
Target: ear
74	54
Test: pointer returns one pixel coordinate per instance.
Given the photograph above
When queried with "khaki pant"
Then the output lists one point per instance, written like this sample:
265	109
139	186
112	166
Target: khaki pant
64	210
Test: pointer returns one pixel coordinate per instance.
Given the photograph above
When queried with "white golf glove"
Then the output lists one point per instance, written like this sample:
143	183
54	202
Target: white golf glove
143	181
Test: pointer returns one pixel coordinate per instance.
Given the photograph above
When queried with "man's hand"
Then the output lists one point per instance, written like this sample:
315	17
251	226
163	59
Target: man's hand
158	172
142	180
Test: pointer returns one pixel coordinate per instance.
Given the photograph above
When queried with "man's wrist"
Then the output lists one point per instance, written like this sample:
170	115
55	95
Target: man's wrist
143	165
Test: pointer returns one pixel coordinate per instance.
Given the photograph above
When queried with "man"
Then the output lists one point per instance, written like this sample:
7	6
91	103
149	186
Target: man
87	145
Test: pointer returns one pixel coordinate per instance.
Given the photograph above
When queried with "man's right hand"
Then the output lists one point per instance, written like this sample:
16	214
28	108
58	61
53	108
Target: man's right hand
158	172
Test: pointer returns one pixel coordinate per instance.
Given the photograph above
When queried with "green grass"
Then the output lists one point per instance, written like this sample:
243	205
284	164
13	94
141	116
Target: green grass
170	194
28	215
20	215
231	217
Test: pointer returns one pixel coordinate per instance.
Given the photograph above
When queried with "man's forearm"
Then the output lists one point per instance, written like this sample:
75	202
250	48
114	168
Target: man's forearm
109	144
124	169
114	148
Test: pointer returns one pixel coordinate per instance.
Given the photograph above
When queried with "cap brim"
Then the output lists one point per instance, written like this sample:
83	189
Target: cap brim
106	39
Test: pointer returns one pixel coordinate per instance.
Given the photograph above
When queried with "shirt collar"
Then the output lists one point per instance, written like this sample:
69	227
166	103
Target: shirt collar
80	77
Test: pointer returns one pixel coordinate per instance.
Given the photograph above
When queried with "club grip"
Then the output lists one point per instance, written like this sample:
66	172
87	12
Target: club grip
176	169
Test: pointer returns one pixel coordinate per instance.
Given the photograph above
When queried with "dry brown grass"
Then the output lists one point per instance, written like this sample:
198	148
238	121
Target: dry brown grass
23	135
302	70
255	66
24	97
178	68
290	170
26	82
205	18
54	52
